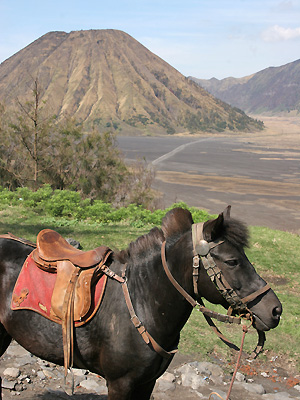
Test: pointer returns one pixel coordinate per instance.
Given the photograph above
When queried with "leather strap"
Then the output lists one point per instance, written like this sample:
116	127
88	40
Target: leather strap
17	239
254	295
68	321
173	280
148	339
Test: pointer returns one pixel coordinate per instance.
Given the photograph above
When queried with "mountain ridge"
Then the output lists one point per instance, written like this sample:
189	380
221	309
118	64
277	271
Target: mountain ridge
107	78
272	90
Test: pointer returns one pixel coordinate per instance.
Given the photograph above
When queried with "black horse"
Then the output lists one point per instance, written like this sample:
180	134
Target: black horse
109	344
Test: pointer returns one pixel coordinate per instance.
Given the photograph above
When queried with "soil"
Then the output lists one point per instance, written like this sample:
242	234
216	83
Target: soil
278	375
257	173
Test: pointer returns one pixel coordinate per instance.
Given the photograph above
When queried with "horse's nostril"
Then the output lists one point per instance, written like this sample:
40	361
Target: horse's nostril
277	311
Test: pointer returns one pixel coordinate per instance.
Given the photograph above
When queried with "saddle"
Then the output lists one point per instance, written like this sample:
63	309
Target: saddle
77	272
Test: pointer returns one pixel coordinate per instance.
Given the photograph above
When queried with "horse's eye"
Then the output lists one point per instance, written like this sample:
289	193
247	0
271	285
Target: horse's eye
232	263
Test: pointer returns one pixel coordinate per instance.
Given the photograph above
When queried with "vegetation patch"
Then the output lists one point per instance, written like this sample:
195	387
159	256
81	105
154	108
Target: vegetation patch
274	254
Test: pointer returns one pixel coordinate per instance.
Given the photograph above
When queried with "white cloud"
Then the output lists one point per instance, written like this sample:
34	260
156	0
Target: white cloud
277	33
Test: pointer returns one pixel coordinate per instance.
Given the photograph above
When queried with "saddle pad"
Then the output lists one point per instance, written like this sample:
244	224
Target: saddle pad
34	287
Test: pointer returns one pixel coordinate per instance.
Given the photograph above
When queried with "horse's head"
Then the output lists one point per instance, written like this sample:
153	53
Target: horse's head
226	269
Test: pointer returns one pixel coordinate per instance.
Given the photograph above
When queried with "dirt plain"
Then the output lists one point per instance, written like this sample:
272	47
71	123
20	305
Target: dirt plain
257	173
213	173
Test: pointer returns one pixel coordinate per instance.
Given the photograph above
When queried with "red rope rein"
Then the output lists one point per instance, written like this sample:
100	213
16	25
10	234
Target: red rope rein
245	330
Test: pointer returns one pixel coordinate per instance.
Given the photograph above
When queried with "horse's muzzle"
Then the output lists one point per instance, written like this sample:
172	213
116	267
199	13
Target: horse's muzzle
264	319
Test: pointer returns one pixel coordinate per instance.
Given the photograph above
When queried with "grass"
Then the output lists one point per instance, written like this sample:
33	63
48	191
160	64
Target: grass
275	255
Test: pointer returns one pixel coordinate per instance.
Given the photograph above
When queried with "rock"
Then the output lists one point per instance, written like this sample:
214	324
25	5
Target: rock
91	385
19	387
240	377
15	350
252	387
190	377
74	243
167	376
49	373
277	396
203	368
79	372
6	384
41	375
11	372
166	382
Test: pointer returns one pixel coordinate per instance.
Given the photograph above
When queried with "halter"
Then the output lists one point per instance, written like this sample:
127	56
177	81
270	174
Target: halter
201	252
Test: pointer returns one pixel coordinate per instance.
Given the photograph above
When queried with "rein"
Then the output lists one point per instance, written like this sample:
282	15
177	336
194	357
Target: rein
201	252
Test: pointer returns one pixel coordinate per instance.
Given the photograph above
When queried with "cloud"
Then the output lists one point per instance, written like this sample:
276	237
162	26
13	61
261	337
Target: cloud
276	33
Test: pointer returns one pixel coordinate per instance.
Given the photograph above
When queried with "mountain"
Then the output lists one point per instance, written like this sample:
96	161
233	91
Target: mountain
272	90
106	77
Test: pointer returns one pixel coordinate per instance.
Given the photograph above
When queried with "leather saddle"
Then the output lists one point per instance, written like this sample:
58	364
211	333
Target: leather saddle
77	271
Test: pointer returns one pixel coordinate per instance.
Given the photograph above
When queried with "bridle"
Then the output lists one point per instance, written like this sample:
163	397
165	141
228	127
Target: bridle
201	251
202	256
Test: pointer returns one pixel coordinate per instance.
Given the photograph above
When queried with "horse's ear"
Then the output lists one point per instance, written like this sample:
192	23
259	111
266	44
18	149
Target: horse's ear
177	221
214	229
226	213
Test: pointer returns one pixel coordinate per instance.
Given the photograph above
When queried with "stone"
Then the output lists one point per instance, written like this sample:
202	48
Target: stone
167	376
6	384
41	375
277	396
11	372
74	243
190	377
163	385
91	385
240	377
15	350
253	387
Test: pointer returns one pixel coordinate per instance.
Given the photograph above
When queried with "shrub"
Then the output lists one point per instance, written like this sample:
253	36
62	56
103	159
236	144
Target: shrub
70	204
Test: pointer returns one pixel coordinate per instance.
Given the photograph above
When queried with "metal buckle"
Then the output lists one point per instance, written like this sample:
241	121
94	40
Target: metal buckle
203	248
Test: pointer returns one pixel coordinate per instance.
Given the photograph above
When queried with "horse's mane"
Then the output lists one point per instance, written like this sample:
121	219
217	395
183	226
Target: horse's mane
175	223
236	232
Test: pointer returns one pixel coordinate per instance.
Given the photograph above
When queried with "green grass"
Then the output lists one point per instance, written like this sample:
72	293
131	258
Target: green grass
275	255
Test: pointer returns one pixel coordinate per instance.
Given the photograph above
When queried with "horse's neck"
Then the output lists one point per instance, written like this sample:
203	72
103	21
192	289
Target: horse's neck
162	309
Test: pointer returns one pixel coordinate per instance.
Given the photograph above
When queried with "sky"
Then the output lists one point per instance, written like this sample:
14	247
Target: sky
200	38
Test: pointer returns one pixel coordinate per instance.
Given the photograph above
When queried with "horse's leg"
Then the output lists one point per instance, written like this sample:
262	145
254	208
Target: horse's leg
143	392
119	389
5	340
122	390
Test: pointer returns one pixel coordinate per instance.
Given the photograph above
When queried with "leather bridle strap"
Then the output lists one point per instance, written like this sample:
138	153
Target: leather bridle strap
254	295
148	339
179	288
207	313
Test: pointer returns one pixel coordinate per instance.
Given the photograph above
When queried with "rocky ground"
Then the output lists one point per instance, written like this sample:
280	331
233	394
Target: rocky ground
26	377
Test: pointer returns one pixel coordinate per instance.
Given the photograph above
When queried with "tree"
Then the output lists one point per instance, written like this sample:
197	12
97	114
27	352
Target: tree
26	141
38	149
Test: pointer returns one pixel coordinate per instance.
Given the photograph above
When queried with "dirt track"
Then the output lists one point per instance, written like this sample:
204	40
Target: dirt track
258	173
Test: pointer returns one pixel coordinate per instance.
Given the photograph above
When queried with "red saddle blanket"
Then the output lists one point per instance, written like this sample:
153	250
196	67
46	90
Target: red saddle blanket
34	287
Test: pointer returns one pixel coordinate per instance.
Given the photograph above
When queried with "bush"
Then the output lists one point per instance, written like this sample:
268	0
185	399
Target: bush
70	204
